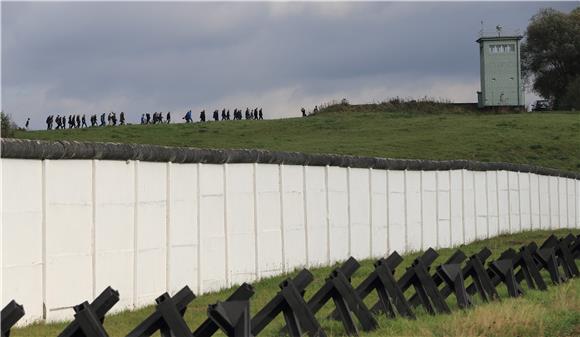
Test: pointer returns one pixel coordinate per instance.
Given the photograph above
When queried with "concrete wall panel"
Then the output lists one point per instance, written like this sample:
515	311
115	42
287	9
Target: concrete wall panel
525	201
293	216
22	223
270	260
443	209
456	208
241	223
535	201
397	235
338	213
151	232
468	206
69	226
504	202
514	202
554	206
114	228
213	263
360	217
481	208
492	203
379	216
183	227
429	205
413	209
570	206
545	203
316	216
562	203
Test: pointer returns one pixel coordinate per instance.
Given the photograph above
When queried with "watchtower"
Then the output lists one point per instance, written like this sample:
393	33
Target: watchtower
501	81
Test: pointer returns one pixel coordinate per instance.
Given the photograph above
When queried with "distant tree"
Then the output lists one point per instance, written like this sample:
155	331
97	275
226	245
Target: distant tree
551	56
7	125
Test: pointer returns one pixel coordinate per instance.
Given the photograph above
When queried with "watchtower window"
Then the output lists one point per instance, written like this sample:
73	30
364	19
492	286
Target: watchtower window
501	48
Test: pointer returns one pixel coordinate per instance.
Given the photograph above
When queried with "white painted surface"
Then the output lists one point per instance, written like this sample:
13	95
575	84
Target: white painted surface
114	184
429	207
338	214
316	216
396	234
443	209
146	228
22	253
380	212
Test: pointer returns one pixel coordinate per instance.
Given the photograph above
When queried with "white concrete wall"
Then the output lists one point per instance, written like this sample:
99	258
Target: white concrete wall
72	227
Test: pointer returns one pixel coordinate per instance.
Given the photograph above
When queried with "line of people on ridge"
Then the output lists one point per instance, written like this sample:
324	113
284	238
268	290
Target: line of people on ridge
155	118
80	121
255	114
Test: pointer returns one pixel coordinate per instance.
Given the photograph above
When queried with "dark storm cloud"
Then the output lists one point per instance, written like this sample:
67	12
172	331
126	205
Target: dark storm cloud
137	57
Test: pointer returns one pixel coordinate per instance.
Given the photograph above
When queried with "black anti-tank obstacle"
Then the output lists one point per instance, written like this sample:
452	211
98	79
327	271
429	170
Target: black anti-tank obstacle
456	258
565	258
417	275
164	318
89	318
9	316
230	316
299	318
481	282
338	288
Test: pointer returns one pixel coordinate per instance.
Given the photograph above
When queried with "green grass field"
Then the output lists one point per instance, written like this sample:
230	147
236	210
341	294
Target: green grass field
544	139
555	312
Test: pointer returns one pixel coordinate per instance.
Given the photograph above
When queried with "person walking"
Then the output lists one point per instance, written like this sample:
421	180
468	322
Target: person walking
168	117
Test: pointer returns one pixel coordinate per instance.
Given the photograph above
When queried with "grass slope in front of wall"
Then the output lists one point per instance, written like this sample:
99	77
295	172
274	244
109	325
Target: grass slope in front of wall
543	139
555	312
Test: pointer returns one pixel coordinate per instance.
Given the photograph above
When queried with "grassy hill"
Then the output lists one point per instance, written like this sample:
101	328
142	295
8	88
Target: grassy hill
545	139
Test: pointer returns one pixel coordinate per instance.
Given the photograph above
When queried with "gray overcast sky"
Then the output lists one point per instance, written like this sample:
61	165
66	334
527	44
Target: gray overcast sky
155	56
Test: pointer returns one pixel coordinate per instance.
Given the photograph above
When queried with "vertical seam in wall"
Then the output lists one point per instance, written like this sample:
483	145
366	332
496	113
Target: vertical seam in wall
421	209
497	201
509	202
226	228
43	239
549	203
576	203
305	208
486	206
371	212
566	202
256	236
530	199
168	227
282	234
388	214
135	229
405	208
519	201
450	214
348	209
327	213
198	187
463	203
475	216
558	200
93	227
539	202
437	208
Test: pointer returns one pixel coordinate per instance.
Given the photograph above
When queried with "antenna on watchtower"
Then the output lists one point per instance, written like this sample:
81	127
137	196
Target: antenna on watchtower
498	28
481	31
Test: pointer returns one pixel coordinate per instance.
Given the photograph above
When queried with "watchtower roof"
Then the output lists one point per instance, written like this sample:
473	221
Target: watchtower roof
499	38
